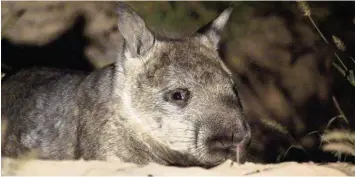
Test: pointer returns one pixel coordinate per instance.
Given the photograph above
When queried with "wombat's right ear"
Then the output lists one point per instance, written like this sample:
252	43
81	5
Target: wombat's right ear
139	39
214	29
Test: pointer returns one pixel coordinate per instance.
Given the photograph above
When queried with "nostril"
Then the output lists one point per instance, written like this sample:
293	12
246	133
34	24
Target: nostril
220	143
224	143
228	140
237	138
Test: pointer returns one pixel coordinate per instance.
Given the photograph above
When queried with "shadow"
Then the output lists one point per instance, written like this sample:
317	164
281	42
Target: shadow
67	51
288	88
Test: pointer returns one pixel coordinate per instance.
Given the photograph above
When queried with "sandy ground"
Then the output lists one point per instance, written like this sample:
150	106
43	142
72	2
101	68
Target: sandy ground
89	168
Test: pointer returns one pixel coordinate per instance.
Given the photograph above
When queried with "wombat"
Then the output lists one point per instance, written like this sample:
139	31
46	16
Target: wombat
170	101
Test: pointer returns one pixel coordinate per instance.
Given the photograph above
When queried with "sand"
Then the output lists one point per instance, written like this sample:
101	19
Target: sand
114	168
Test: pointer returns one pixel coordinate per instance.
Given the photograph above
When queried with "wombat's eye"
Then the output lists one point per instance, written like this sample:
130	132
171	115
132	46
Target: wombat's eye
178	96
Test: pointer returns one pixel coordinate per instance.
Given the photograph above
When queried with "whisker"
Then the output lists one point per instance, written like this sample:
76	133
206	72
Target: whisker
238	155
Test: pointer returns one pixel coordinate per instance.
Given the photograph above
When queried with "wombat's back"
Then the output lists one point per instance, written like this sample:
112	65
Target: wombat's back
34	103
27	83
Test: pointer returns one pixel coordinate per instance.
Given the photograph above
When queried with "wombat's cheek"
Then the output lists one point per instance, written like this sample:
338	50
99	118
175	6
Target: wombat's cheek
179	139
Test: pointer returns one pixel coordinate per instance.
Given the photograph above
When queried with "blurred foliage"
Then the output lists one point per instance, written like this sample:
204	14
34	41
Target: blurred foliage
187	16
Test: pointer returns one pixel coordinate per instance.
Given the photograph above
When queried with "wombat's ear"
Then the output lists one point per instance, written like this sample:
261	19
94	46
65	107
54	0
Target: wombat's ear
214	29
138	38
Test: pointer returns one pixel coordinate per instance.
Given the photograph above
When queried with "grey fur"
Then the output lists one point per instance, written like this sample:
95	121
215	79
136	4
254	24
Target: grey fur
127	111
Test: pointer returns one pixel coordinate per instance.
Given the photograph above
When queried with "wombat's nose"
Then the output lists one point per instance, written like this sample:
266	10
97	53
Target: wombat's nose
229	142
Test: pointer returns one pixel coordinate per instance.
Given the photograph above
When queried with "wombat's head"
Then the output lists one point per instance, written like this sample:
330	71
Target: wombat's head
181	91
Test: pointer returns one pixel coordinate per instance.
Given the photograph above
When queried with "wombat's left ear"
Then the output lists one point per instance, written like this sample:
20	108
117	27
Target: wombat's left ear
139	39
213	30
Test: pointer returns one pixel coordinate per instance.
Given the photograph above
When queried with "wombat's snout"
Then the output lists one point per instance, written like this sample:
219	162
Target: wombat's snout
226	141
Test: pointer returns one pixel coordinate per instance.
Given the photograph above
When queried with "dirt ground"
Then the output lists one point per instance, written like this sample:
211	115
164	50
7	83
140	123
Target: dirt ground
105	168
